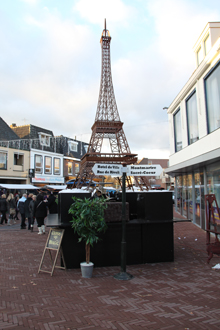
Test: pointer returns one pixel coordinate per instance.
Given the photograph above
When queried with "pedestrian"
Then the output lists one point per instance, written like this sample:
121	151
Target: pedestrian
21	209
16	210
31	208
40	213
3	208
27	210
12	208
51	203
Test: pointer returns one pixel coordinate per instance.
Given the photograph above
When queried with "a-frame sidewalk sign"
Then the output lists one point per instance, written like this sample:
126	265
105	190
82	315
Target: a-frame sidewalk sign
53	244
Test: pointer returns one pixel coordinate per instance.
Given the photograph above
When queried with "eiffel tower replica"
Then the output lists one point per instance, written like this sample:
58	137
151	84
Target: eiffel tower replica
107	126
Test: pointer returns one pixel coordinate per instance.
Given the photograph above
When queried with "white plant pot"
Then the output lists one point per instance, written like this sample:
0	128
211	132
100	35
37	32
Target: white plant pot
86	269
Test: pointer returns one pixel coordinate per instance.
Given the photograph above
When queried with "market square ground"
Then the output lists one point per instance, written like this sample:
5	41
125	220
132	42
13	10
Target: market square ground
184	294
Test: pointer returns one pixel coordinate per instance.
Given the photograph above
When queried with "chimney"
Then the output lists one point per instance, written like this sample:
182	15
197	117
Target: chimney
13	125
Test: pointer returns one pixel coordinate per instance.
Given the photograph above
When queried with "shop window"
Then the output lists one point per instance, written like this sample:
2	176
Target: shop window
76	168
192	118
177	130
70	168
212	93
38	164
56	166
3	160
48	165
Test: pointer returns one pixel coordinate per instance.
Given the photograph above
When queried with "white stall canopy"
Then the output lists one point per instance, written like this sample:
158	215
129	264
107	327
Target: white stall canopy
55	187
18	186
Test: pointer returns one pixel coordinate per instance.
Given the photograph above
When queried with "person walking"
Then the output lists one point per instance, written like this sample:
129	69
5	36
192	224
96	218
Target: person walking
12	208
3	208
31	209
21	209
40	213
16	209
27	210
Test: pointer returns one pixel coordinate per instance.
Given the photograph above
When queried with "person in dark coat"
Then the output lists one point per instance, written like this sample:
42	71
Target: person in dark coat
12	208
31	209
3	208
51	203
27	210
21	209
16	210
40	213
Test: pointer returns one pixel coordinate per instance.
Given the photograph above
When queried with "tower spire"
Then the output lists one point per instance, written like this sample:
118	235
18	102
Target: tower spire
107	123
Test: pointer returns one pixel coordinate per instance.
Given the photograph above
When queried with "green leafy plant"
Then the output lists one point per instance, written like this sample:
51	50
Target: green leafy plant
88	220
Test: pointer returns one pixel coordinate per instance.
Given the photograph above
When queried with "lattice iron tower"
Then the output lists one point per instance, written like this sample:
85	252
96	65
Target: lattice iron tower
107	124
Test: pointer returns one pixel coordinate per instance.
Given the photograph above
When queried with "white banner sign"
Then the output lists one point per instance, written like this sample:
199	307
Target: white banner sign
144	170
107	169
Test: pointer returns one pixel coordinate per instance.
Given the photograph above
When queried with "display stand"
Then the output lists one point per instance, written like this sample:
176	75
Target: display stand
53	244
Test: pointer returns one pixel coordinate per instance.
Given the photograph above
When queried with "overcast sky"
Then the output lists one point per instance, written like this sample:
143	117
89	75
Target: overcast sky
50	63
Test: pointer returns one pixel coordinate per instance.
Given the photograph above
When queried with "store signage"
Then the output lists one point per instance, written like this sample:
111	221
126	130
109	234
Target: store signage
53	243
107	169
132	170
47	179
144	170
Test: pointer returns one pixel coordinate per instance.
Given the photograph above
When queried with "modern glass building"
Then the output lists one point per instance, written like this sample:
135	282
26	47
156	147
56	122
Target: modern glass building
194	127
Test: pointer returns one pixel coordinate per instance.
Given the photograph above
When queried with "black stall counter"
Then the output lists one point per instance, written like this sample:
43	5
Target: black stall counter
149	231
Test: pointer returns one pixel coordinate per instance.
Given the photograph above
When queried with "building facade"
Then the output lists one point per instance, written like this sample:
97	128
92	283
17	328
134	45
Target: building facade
194	127
14	160
29	148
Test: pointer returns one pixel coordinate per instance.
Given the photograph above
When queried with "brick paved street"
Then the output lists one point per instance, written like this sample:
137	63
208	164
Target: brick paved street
183	294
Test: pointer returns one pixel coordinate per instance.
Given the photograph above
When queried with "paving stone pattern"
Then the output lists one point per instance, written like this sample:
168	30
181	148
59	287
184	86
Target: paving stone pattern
183	294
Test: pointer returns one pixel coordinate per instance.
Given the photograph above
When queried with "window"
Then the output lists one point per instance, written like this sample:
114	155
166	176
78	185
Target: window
70	168
44	139
177	130
48	165
212	93
18	159
199	56
76	168
73	145
38	164
192	118
86	147
56	166
3	160
207	44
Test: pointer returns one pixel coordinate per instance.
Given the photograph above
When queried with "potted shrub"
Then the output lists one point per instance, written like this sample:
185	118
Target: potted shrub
88	221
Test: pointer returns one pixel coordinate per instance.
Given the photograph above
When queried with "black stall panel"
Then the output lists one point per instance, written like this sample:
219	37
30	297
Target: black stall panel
131	198
65	199
107	252
155	206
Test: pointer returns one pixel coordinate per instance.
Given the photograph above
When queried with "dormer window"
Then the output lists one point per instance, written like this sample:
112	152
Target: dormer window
73	146
199	56
44	139
207	44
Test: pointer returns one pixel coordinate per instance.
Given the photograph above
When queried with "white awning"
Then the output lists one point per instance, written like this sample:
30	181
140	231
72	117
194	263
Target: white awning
18	186
58	187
